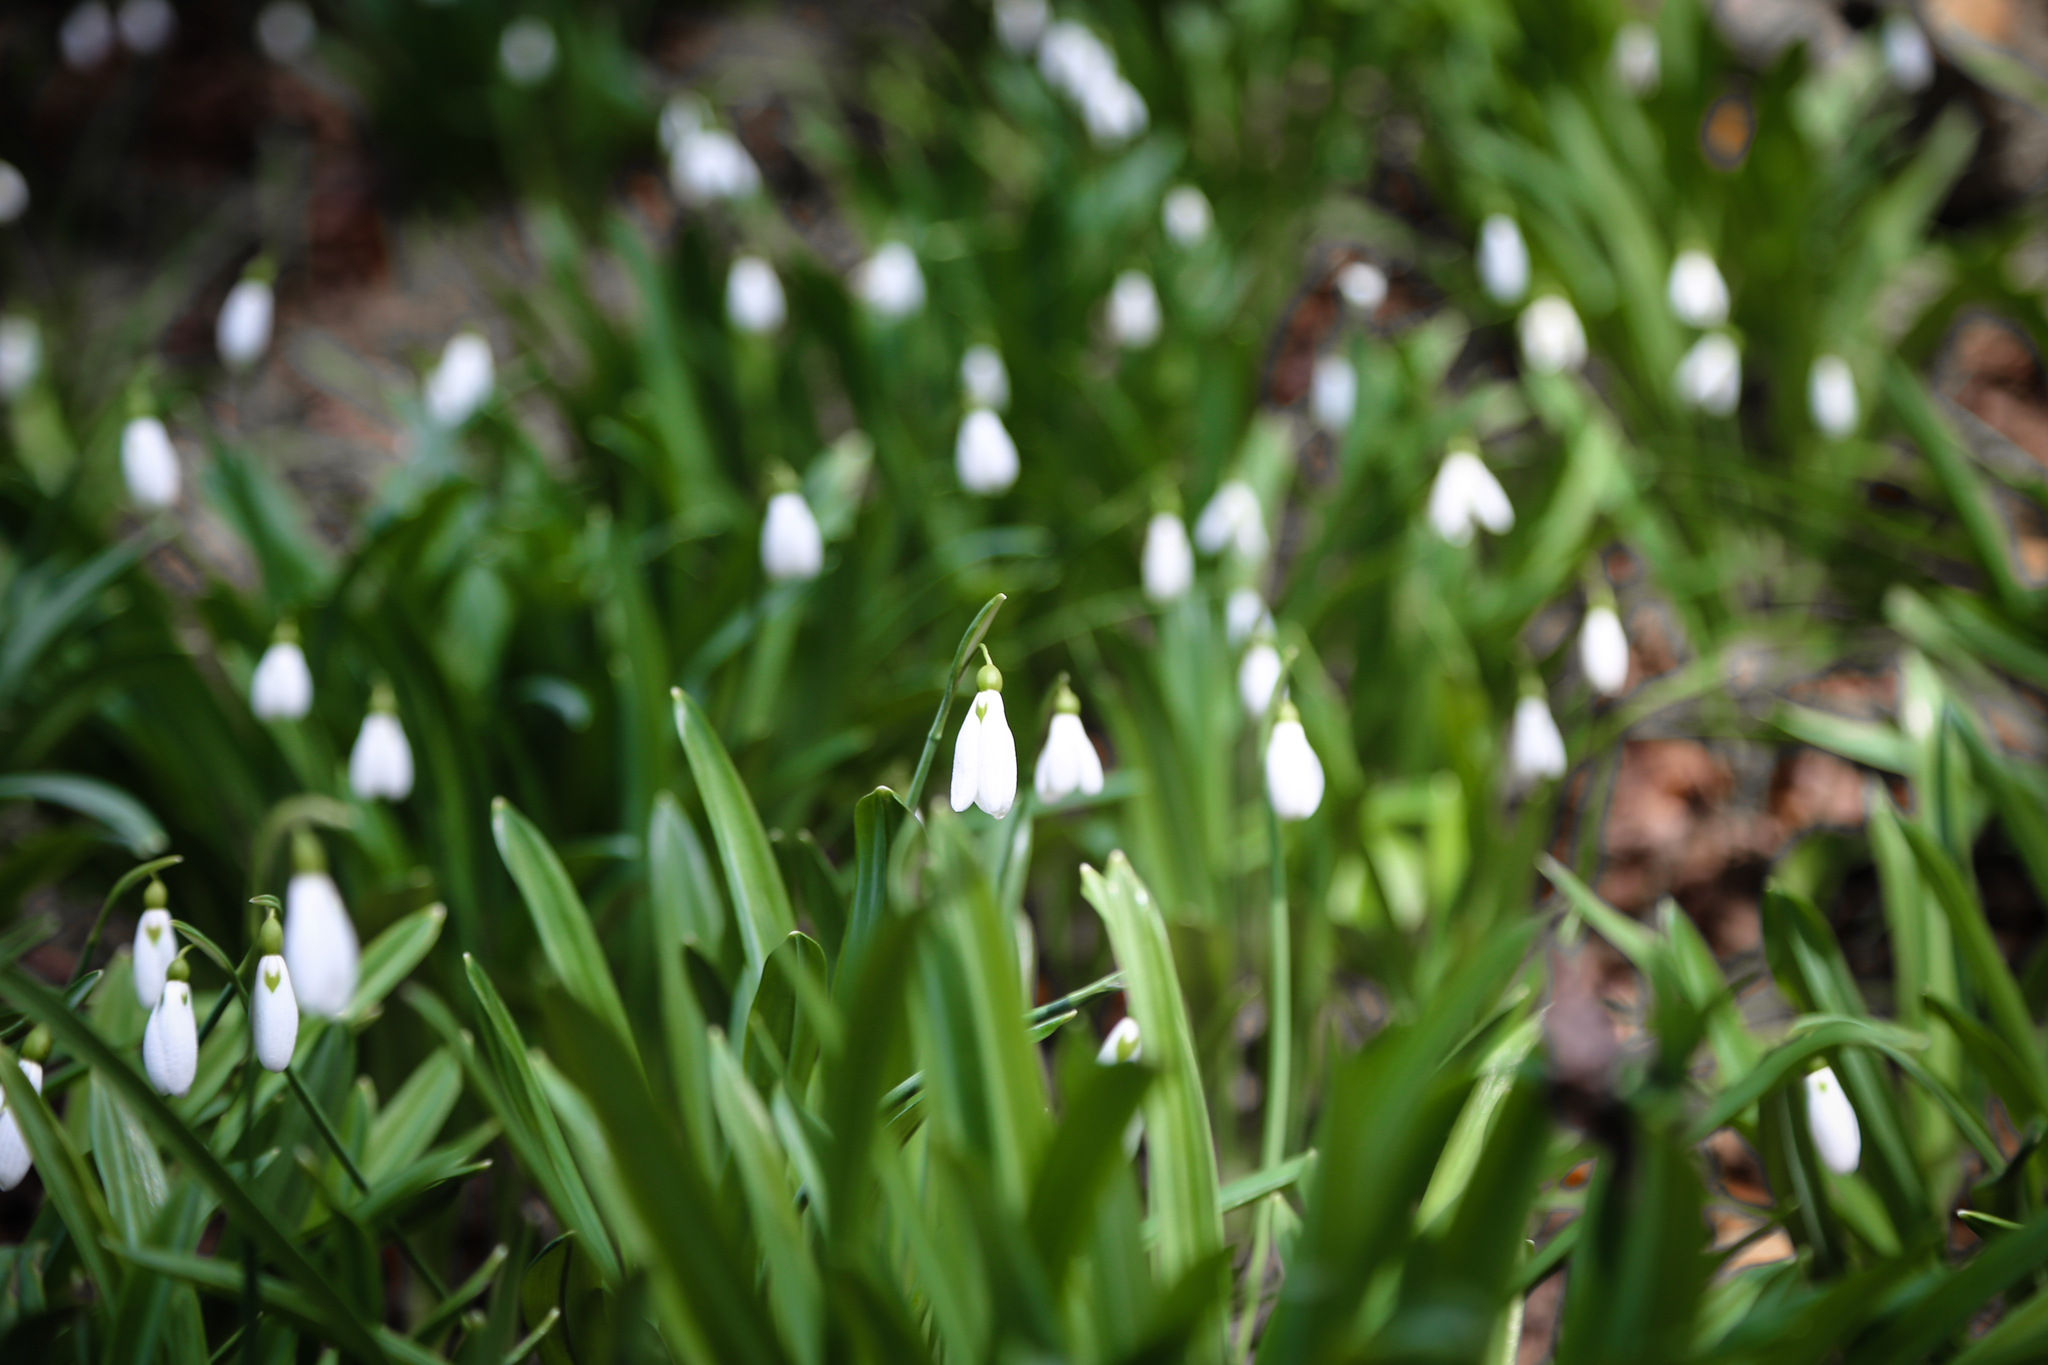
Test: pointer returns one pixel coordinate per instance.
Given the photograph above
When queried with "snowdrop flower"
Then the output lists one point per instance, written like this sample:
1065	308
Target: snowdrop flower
285	30
526	51
1243	616
1257	675
15	1158
1535	748
1169	562
1710	376
984	455
1503	259
1603	651
1114	112
890	281
149	463
462	381
1637	60
1907	54
282	687
1133	311
13	192
1333	392
170	1042
1072	59
1466	494
1068	763
1186	215
319	944
1235	520
147	25
1122	1044
985	755
985	378
1294	775
381	762
1832	1121
1698	294
753	296
156	945
792	546
21	353
87	37
1363	285
242	333
708	163
1553	340
1021	23
274	1010
1831	396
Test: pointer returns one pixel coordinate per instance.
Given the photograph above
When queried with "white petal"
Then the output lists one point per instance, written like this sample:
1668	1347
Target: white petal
285	30
1123	1043
242	332
792	546
891	282
1363	285
320	946
1294	775
1535	748
21	353
1169	564
170	1042
1907	53
1087	763
14	194
1710	375
753	296
1243	614
1068	762
984	376
15	1159
984	456
149	463
1831	396
526	51
1186	215
1134	311
1020	23
1603	651
1333	392
462	382
996	790
1503	259
87	35
709	163
155	945
1553	340
1257	676
1696	291
967	760
282	688
1832	1120
147	25
275	1014
1233	519
380	765
1637	59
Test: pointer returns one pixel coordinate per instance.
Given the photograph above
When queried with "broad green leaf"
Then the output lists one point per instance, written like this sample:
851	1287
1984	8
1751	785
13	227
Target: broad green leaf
1086	1149
682	893
686	895
762	902
126	818
793	1286
66	1178
406	1125
566	934
127	1161
50	613
391	957
562	1280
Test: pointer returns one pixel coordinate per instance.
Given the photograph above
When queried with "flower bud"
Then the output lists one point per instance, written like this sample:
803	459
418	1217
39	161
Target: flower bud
1637	61
170	1041
753	296
984	455
1294	775
1603	651
156	946
1186	215
149	463
1233	519
1068	763
1832	1121
1535	748
242	332
890	282
1503	260
792	546
1697	293
1363	285
1243	616
320	949
1169	561
462	382
21	353
1553	339
1134	311
526	54
274	1010
986	379
1113	111
985	754
1710	375
282	686
1466	494
1257	675
706	163
13	193
1831	396
1333	392
1122	1044
380	765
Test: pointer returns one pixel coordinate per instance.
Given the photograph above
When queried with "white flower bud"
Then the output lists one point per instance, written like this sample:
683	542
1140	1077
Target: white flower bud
753	296
1134	311
1243	614
21	353
1466	494
1072	59
526	51
1603	651
1637	60
708	163
1832	1121
1122	1044
1294	775
13	192
1503	259
1907	54
1186	215
156	943
1710	375
1068	763
1831	396
170	1041
984	455
1363	285
285	30
1021	23
462	382
274	1013
149	463
985	757
380	765
890	281
87	36
1257	675
1535	748
15	1158
1333	392
320	947
242	332
791	544
1169	562
282	688
147	26
986	379
1113	111
1698	294
1233	519
1553	340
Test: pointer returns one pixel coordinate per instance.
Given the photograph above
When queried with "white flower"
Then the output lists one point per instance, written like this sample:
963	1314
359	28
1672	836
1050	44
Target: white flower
21	353
1072	59
1020	23
753	296
462	381
1294	775
1832	1121
285	30
1133	311
1603	651
1235	520
1907	54
15	1158
1169	562
890	281
1698	294
1068	763
1637	60
87	36
1466	494
242	332
282	687
704	162
1243	614
170	1041
1114	112
1503	259
984	376
1257	675
1710	376
275	1013
320	946
1122	1044
1831	396
149	463
791	544
1363	285
526	51
1553	340
147	25
156	943
984	455
381	762
985	755
1535	748
1186	215
1333	392
13	192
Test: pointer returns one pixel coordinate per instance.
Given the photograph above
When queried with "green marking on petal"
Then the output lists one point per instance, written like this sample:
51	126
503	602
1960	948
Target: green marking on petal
271	978
155	931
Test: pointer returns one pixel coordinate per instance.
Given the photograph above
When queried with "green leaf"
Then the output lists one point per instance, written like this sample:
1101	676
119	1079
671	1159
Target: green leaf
391	957
66	1178
1085	1151
128	819
976	629
128	1162
406	1125
562	1280
764	916
1946	1310
794	1290
49	614
681	893
874	821
566	934
680	879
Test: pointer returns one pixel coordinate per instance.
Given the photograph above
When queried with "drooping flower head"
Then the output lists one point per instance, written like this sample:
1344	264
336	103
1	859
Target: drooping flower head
15	1157
1363	285
1710	376
156	945
985	377
1832	1121
527	51
1133	314
1697	293
753	296
13	192
319	946
1831	396
1465	495
1535	748
1603	650
792	545
1186	215
462	382
1233	520
1257	675
1244	613
21	353
149	463
1553	339
985	755
282	686
380	765
1294	775
890	282
1169	561
242	332
274	1010
1637	60
1068	763
1503	259
984	456
170	1041
1122	1044
1333	392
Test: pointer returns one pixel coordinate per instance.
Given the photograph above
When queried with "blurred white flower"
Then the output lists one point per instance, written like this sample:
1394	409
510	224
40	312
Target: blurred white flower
462	382
1637	60
15	1158
1698	294
1294	775
1133	311
1535	748
149	463
380	765
1169	561
1114	111
1363	285
1603	651
1553	340
1333	392
890	281
1122	1044
320	947
1234	520
147	26
1465	495
13	192
1021	23
87	36
242	332
985	754
985	378
282	687
170	1041
1257	675
274	1010
792	546
1503	259
285	30
1710	375
753	296
1186	215
1907	54
682	115
984	455
1832	1121
1243	614
156	944
1068	763
708	163
1072	59
526	51
1831	396
21	353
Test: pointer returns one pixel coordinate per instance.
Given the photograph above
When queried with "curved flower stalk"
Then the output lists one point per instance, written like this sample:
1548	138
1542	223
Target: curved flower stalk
15	1157
985	754
984	456
170	1041
1068	763
149	463
792	546
1169	561
1466	495
890	282
380	765
1294	775
156	946
1553	339
273	1009
1535	747
1603	650
1832	1121
985	378
318	944
1503	260
1233	520
462	382
242	332
753	296
1697	293
1134	318
282	686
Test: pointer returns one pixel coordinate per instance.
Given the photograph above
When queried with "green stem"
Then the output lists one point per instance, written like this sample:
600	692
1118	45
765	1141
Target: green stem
1279	1074
99	925
362	1183
979	628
